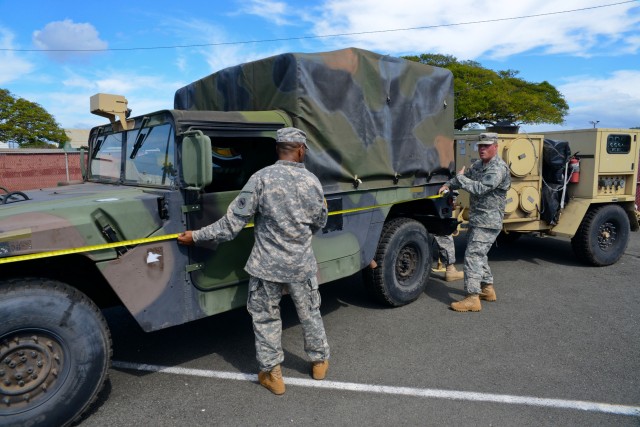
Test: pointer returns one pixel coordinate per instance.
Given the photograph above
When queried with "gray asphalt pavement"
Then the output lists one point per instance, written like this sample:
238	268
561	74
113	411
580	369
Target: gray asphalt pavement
560	330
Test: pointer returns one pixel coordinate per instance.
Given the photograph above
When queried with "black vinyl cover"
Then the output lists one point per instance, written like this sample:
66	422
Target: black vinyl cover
556	154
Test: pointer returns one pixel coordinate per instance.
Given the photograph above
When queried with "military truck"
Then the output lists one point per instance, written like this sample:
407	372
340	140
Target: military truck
380	133
577	184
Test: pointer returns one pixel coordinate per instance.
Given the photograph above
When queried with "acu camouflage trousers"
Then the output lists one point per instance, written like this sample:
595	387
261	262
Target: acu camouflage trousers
476	260
264	306
446	249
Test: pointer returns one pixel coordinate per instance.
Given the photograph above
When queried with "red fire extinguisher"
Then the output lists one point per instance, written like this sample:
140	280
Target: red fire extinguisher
574	167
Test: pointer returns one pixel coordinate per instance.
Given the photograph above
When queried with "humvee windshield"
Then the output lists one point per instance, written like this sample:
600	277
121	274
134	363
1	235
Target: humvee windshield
143	156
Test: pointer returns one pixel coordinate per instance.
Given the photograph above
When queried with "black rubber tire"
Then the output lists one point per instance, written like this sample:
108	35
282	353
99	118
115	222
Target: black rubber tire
15	195
55	351
404	263
603	235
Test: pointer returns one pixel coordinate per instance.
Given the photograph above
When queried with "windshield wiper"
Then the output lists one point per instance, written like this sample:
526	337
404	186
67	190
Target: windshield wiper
140	138
98	143
96	147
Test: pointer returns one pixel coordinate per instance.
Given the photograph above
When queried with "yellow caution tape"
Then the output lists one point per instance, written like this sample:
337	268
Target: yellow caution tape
134	242
91	248
366	208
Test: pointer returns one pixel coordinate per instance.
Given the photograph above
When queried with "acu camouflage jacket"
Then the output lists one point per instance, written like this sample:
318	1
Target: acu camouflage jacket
487	185
287	204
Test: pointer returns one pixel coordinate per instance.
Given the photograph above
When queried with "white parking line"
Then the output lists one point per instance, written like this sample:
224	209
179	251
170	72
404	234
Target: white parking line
406	391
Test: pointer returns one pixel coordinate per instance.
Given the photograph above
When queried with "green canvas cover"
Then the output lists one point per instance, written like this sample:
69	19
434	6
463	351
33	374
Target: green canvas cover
372	118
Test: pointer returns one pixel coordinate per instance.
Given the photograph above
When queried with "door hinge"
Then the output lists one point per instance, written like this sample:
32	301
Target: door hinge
194	267
190	208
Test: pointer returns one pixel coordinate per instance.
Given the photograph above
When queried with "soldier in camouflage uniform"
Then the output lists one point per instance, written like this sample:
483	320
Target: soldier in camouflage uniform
487	182
287	204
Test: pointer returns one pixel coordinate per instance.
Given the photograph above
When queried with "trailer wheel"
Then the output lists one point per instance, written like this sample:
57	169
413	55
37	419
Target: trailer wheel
603	235
404	260
55	350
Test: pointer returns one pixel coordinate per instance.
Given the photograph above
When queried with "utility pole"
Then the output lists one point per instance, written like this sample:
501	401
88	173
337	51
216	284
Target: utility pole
594	123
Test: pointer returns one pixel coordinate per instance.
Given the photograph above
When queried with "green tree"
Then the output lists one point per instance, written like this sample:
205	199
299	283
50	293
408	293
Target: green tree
487	97
28	124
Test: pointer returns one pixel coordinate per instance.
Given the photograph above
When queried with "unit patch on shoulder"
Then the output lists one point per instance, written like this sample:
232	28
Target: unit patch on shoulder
487	178
243	205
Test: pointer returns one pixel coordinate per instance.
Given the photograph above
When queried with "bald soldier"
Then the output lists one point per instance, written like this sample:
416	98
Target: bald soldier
288	207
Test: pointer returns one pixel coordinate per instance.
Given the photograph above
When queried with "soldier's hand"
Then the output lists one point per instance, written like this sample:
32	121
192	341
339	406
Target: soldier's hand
443	190
461	171
185	238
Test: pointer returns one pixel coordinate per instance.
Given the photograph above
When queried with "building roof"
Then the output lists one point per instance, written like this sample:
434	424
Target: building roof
79	137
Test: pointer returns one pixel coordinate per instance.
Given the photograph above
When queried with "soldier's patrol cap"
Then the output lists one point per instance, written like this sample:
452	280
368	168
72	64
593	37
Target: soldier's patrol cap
292	135
487	138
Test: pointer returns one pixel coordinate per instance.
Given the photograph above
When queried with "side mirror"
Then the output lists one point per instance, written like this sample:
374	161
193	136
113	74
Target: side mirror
196	165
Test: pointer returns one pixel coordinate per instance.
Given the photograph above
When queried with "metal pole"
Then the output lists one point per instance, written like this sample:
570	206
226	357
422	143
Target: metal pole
66	164
564	186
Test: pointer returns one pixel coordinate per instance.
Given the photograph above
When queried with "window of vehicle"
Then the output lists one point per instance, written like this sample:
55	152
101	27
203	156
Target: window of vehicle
150	156
235	159
107	159
148	159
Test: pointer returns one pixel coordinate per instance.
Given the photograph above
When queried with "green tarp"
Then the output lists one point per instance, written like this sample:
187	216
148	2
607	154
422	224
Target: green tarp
382	119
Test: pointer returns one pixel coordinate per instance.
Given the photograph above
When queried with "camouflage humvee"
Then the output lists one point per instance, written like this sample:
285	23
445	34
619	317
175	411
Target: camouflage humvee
381	142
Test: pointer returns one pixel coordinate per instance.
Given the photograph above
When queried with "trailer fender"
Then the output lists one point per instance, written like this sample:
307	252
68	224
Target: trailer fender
571	217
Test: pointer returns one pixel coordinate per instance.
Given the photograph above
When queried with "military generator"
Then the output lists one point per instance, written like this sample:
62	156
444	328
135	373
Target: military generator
578	184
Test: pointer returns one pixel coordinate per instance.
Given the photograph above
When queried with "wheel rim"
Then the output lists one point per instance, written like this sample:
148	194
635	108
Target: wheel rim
407	263
607	235
31	368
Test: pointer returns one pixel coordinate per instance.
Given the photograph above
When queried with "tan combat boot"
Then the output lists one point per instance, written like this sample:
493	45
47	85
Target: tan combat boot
319	369
272	380
451	274
470	303
439	268
488	293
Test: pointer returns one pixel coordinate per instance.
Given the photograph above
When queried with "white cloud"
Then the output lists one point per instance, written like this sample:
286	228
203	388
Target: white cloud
181	63
150	85
69	104
152	90
599	32
219	54
67	35
272	11
612	100
12	67
578	33
221	57
149	90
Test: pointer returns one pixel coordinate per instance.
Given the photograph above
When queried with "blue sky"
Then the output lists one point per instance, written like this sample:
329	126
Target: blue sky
590	55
